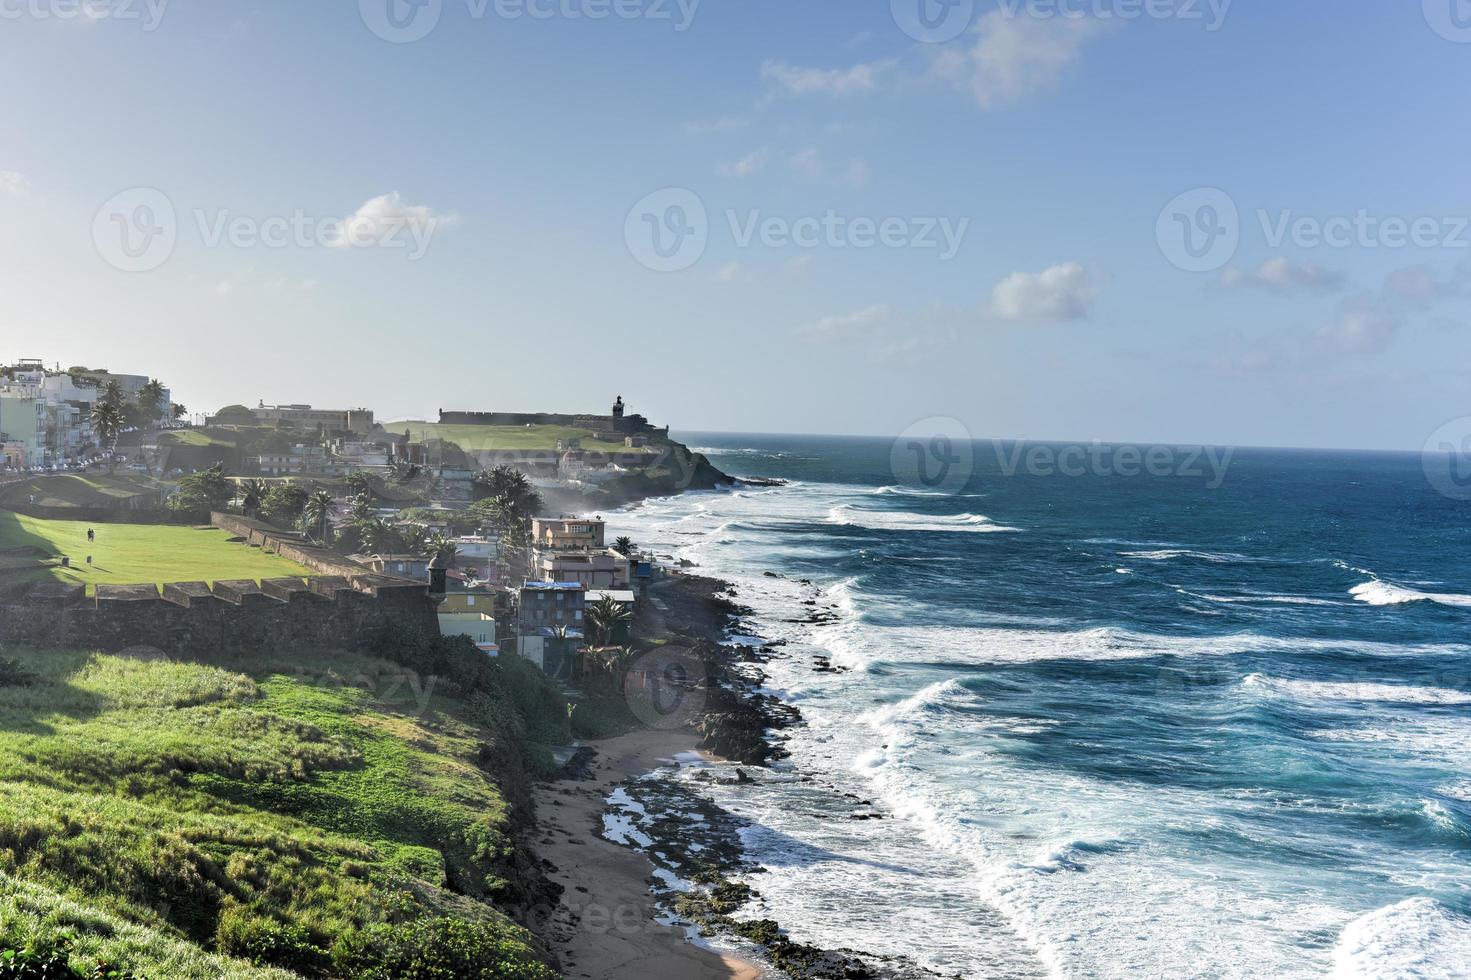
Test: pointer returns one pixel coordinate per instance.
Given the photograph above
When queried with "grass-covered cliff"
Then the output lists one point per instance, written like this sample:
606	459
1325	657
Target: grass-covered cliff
287	814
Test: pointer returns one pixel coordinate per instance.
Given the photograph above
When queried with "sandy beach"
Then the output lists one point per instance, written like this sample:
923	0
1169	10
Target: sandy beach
606	928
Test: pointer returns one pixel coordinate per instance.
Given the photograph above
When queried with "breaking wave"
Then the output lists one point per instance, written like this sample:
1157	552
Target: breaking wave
1381	593
1418	937
884	520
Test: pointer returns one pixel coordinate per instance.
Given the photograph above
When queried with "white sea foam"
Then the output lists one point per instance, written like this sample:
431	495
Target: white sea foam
1382	593
859	645
1170	554
916	704
1356	691
897	491
622	827
1456	791
890	520
1437	740
1262	598
1415	938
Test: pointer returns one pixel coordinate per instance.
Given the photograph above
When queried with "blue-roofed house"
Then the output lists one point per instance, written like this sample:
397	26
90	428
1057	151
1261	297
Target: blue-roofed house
549	624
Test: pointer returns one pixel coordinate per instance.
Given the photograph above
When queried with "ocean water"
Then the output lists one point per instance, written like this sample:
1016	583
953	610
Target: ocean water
1103	725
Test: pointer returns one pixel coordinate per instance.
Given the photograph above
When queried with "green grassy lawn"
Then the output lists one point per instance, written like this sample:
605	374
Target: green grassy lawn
195	437
79	490
480	438
213	435
286	814
130	554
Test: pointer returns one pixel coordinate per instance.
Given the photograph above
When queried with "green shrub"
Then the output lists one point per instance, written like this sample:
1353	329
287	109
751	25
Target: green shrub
50	959
12	674
266	942
440	949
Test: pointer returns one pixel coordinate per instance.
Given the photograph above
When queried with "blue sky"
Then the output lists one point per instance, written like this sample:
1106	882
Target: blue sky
519	146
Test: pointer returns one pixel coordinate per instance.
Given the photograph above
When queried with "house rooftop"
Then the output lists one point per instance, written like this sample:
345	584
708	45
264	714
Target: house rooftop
568	586
617	595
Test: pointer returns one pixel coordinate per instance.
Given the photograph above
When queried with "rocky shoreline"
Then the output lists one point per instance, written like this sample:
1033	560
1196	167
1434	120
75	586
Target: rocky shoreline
695	845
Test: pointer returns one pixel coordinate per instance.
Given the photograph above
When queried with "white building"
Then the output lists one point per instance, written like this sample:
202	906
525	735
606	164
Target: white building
21	426
478	626
480	553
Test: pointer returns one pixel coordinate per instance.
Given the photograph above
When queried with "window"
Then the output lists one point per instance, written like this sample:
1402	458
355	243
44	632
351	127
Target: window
469	600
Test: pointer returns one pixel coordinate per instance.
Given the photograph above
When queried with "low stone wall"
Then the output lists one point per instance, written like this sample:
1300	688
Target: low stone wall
230	617
293	546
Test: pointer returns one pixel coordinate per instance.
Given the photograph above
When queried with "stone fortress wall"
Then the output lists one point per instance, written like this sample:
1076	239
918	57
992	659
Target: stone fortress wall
345	606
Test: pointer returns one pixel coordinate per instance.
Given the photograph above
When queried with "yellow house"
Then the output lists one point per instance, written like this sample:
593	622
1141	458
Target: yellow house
478	601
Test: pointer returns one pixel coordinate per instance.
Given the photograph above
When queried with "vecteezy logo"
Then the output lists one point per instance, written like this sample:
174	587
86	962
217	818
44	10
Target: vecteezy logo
401	21
1199	230
935	455
668	230
1446	459
665	688
1451	19
136	230
933	21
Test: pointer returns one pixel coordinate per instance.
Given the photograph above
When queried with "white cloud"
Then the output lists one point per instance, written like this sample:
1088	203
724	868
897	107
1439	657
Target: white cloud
12	182
846	325
387	219
884	334
246	281
798	265
1015	56
1419	286
730	272
746	165
857	80
1284	275
808	162
858	173
1062	293
1361	327
724	124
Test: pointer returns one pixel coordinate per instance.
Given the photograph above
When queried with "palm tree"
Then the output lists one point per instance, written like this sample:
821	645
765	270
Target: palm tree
318	510
362	508
608	661
112	393
252	495
512	487
562	634
624	546
216	485
361	483
416	539
378	536
150	399
107	421
436	545
406	472
605	616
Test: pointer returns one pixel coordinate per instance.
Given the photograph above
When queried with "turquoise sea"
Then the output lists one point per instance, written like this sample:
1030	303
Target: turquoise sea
1105	723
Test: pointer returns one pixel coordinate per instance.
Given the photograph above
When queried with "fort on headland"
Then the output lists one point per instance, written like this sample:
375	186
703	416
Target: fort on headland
617	423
